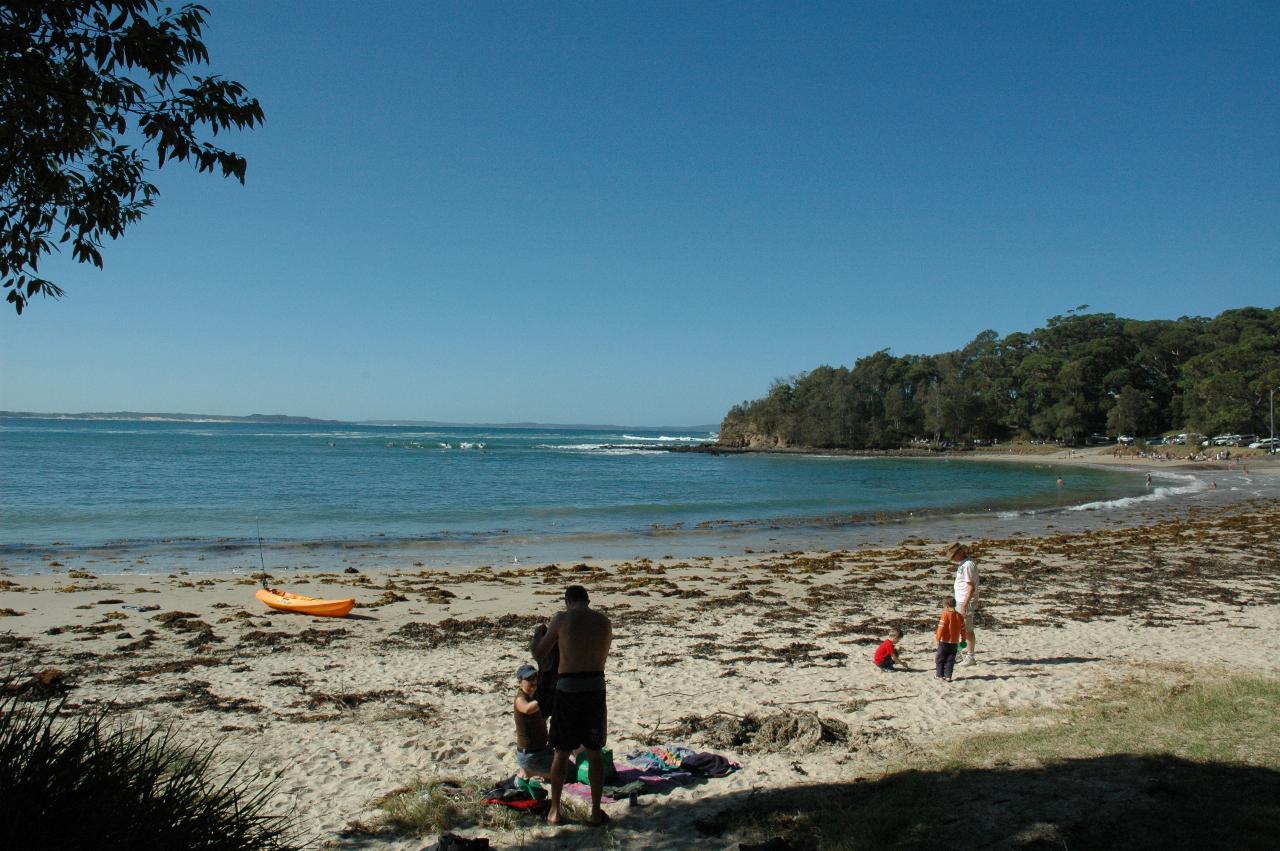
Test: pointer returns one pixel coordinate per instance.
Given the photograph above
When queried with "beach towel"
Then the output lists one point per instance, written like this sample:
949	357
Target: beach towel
659	758
528	804
623	786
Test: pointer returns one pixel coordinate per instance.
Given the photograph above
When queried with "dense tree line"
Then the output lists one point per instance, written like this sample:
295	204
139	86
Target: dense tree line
1081	374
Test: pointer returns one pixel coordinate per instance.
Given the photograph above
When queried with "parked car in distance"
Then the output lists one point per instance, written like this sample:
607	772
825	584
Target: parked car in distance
1155	441
1226	440
1124	439
1096	439
1179	439
1265	443
1246	439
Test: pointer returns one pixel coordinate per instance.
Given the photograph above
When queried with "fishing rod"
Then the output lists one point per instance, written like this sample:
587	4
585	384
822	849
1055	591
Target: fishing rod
263	576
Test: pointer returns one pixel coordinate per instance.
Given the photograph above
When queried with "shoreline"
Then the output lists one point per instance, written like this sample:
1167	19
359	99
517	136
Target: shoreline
1022	453
1198	485
419	683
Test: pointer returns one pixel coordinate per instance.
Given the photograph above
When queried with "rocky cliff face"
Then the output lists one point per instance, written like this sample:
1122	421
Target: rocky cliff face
739	434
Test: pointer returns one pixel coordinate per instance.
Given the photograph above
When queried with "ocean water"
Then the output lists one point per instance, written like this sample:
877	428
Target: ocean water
458	495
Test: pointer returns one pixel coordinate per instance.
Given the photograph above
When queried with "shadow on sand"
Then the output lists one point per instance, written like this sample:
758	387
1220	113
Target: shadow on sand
1054	660
1119	801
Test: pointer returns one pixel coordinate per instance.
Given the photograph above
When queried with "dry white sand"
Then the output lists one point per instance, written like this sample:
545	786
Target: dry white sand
342	711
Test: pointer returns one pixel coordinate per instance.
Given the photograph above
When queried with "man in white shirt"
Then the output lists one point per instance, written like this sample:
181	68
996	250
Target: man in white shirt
966	593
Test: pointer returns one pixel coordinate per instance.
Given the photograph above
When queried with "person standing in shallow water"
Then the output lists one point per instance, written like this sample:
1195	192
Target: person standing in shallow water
583	637
966	594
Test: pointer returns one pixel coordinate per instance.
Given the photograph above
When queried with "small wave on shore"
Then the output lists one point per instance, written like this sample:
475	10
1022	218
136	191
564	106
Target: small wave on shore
1189	485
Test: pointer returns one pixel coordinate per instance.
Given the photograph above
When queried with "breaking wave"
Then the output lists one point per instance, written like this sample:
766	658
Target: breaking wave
1189	485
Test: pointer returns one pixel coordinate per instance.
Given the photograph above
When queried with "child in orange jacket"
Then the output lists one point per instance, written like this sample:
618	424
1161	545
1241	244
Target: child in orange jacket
949	635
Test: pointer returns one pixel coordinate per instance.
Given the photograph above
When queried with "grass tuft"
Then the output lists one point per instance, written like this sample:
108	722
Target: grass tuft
433	805
437	804
84	783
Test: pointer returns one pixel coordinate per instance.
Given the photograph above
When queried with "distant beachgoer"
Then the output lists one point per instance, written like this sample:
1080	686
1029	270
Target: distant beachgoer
966	594
533	753
1060	481
1213	484
887	653
583	636
951	629
1148	480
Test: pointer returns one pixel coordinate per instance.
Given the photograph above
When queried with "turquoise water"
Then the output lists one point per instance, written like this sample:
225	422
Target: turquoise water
84	484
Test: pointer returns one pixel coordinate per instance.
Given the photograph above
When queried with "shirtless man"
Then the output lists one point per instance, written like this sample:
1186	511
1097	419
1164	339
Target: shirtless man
583	636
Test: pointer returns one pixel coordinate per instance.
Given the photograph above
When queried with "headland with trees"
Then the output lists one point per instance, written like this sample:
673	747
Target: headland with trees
1081	374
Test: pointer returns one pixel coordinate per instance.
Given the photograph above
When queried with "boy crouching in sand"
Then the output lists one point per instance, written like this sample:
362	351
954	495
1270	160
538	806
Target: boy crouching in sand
949	635
887	653
533	753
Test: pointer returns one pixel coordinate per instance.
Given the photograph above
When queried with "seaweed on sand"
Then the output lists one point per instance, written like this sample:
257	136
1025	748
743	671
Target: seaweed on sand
9	641
186	622
454	631
178	666
310	635
350	700
338	703
42	685
387	598
199	695
788	731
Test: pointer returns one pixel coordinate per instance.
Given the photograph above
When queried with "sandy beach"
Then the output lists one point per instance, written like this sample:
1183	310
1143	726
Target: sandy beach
419	681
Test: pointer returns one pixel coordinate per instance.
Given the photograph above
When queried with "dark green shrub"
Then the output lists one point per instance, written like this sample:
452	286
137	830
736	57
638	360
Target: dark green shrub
89	783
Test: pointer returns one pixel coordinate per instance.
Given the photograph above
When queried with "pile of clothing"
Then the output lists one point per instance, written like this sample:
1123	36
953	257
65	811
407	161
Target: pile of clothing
648	770
668	759
518	793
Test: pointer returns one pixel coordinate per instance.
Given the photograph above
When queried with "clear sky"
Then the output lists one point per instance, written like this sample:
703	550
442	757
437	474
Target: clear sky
642	213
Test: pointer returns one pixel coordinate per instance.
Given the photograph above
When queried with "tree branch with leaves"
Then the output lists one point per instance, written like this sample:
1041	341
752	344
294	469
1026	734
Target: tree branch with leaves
88	90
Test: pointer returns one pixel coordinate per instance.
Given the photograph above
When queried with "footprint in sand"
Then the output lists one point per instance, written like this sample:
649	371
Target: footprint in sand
441	754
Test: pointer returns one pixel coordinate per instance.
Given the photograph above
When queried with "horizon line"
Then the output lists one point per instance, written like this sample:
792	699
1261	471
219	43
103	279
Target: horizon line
143	416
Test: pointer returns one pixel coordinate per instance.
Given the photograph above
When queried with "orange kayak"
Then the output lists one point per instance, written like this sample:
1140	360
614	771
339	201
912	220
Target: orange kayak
286	602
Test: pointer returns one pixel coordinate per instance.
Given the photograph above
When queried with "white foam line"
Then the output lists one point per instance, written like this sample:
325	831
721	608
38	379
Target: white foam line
1193	485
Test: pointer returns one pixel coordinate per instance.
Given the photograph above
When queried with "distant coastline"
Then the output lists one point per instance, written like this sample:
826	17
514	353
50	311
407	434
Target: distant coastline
137	416
582	426
172	418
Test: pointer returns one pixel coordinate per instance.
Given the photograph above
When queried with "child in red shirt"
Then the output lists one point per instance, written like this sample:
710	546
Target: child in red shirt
887	653
949	635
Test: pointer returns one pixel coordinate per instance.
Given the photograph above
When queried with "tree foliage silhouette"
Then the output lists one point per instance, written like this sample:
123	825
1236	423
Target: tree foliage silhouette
1082	373
87	89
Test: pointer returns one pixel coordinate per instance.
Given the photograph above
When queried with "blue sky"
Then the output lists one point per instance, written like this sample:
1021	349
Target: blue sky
643	213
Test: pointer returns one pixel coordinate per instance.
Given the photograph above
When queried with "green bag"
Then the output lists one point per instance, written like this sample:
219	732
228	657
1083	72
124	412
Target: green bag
584	767
532	786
